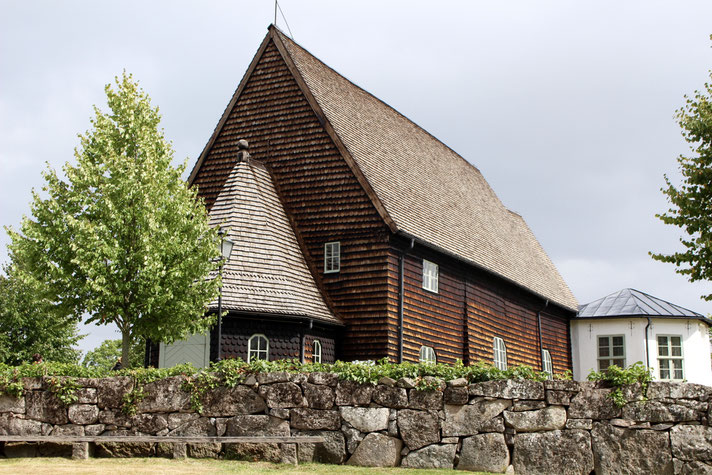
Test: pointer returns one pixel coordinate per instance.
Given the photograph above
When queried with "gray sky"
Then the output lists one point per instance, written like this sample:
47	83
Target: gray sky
566	107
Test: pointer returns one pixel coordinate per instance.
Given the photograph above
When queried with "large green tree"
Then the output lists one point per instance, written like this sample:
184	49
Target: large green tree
29	324
122	239
691	202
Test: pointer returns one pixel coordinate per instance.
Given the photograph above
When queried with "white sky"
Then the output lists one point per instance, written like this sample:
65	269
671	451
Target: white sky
566	107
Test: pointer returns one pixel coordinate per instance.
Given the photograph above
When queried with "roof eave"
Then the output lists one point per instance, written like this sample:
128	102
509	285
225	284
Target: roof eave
701	318
482	268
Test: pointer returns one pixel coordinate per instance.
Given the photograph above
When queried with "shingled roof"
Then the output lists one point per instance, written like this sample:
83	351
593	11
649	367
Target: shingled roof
266	272
422	187
634	303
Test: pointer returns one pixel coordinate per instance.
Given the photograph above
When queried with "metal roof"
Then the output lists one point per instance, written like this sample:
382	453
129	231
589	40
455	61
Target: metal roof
634	303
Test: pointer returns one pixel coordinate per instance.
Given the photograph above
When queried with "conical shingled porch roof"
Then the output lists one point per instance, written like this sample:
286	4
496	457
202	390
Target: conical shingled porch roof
266	272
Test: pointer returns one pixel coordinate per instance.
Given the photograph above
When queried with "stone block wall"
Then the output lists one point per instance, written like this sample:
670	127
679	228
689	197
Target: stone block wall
494	426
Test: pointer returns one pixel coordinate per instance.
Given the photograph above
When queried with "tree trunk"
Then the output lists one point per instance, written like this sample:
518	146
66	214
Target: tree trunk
125	347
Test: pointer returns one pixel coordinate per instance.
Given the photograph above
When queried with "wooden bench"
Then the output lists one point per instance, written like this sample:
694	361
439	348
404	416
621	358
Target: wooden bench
81	448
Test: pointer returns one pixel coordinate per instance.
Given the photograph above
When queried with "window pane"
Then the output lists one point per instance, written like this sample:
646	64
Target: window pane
664	373
619	363
662	350
662	341
676	351
603	364
617	341
675	341
618	351
604	351
602	341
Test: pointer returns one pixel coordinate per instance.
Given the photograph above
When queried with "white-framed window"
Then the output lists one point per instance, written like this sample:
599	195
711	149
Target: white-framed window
611	351
427	355
257	348
670	357
430	276
332	257
316	351
548	367
500	353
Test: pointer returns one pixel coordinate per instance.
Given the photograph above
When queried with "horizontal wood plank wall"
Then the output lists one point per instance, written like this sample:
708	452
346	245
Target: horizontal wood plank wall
318	190
433	319
470	309
556	337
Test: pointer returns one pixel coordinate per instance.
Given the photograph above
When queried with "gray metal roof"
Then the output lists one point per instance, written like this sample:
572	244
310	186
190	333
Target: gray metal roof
631	302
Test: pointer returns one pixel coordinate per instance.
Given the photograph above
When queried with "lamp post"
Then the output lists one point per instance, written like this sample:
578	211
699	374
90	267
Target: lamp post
225	250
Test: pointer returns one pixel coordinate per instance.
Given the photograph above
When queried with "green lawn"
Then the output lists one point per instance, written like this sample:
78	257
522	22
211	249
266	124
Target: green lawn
55	465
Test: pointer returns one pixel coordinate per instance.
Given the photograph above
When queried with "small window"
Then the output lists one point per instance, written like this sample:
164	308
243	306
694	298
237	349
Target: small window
317	351
670	357
611	351
500	354
332	257
427	355
548	367
430	276
257	348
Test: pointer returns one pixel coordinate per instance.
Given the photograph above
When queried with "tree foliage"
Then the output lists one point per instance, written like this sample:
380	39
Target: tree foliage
29	324
691	202
122	238
104	356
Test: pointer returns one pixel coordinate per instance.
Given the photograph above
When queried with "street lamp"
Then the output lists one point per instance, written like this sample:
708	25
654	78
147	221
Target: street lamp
225	250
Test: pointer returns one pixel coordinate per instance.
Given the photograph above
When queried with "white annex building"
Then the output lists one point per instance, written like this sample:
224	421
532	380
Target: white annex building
630	326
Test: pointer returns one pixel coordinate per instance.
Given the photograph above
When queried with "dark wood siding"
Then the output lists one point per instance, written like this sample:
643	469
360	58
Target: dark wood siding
328	347
469	310
284	338
320	193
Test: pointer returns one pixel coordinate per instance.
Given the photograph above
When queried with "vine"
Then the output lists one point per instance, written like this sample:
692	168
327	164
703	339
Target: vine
618	377
64	388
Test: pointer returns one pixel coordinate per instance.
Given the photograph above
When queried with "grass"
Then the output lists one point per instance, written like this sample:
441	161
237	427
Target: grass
55	465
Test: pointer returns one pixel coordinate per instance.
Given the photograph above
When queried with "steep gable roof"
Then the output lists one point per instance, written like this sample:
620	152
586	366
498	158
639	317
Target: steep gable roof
266	272
429	192
421	188
634	303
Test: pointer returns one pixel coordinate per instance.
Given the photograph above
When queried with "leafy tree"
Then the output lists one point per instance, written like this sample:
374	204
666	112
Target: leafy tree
29	325
122	239
691	202
105	355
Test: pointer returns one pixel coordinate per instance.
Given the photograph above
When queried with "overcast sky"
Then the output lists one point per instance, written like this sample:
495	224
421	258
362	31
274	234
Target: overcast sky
565	107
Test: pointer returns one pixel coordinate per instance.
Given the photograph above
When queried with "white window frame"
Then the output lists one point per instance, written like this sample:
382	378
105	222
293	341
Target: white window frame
610	358
427	355
258	352
666	362
316	351
431	275
547	364
332	257
500	353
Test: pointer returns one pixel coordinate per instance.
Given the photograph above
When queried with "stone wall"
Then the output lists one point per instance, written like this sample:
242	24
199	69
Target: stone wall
495	426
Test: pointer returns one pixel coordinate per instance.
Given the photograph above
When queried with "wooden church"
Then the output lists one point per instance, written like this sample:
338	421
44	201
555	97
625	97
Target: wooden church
358	235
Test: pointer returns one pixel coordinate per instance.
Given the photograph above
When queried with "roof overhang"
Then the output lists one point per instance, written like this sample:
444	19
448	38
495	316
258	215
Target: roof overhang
701	318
